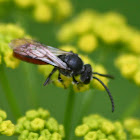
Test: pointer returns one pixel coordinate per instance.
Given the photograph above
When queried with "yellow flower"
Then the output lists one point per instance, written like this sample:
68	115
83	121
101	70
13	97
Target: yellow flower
114	19
109	34
86	60
66	33
37	124
10	61
95	83
83	23
87	43
131	123
56	136
68	48
107	127
127	64
81	130
64	8
24	3
42	13
96	127
7	128
81	88
135	43
137	78
91	136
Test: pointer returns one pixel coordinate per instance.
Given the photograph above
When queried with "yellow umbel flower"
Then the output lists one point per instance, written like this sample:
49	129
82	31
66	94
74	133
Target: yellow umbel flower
110	28
137	78
96	84
6	126
135	43
46	10
69	48
96	127
10	60
37	124
9	32
129	66
66	33
42	13
132	125
64	8
87	43
24	3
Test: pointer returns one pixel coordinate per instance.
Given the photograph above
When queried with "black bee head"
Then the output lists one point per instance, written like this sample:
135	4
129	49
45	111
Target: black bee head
86	75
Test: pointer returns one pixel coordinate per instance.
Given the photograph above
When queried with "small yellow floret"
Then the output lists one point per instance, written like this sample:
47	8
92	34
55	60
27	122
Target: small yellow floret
87	43
7	128
24	3
10	61
42	13
69	48
95	83
137	78
64	8
66	33
135	43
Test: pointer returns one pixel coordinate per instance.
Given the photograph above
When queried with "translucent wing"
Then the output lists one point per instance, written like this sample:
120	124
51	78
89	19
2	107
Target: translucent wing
38	51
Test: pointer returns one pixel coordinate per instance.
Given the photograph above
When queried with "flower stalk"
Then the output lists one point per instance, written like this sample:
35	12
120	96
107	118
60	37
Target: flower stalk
69	113
9	93
132	108
31	84
86	102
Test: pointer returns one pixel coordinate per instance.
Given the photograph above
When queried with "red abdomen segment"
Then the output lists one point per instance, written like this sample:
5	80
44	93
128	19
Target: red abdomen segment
29	59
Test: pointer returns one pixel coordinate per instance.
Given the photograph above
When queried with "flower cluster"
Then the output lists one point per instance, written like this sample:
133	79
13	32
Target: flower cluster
7	33
39	125
6	126
95	127
89	29
46	10
67	81
129	66
133	127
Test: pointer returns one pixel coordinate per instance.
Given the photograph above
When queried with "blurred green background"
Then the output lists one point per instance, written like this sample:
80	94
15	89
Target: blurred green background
27	81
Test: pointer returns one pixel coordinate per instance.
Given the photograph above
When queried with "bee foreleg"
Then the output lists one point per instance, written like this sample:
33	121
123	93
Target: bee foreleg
49	77
75	81
60	80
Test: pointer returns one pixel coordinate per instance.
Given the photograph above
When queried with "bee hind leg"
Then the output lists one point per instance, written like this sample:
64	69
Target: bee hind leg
49	77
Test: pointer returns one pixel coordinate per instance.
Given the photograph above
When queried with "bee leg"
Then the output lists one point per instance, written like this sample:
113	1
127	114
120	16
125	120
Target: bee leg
60	80
75	81
49	77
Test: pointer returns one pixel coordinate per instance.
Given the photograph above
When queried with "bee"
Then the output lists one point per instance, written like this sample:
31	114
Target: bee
67	63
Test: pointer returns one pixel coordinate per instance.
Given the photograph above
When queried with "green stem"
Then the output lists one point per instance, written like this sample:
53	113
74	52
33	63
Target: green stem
30	81
132	108
9	93
86	102
69	113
